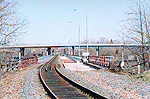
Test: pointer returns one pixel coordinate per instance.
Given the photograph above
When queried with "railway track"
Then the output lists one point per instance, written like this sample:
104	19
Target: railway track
59	86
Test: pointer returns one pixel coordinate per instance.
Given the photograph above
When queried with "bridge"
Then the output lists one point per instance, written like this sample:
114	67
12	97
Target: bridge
22	47
76	45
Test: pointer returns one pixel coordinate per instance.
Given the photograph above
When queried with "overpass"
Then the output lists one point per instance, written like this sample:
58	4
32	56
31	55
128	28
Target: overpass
82	45
22	47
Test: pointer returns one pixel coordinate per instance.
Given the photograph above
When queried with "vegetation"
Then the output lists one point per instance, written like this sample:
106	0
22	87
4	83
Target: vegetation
136	29
145	76
12	27
12	24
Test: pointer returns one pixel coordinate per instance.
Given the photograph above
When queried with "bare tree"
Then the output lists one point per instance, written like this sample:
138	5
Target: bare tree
12	25
136	28
103	40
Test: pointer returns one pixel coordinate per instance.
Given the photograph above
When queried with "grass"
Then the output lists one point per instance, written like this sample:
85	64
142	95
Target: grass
145	76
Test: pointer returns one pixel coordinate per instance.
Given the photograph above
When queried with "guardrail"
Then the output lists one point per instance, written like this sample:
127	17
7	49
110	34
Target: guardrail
43	58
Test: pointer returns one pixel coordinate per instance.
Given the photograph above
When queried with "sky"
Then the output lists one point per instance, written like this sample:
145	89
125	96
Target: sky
49	20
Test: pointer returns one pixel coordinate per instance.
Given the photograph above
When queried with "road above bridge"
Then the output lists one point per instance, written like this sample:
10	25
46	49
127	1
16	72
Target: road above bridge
82	45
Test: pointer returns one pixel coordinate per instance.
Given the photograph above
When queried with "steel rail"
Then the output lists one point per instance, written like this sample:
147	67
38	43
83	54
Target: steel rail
90	92
70	82
44	83
56	87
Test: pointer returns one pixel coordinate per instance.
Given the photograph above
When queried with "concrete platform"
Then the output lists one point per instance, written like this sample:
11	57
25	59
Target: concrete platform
77	67
64	57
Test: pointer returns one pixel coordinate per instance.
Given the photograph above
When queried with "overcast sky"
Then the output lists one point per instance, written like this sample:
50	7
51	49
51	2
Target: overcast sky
50	19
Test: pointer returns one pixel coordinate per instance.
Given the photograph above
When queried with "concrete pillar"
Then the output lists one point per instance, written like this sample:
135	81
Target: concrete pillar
97	51
21	53
64	51
73	50
122	63
19	56
49	50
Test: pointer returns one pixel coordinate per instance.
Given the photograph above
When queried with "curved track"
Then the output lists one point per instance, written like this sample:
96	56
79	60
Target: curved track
59	86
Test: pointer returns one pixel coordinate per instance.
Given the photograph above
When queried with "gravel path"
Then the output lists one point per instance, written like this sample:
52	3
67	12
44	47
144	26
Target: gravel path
111	85
22	84
10	84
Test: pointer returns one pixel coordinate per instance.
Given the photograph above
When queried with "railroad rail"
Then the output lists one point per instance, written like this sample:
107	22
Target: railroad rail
59	86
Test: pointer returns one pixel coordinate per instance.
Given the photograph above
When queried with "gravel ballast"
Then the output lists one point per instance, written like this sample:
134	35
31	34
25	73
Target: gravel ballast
31	88
111	85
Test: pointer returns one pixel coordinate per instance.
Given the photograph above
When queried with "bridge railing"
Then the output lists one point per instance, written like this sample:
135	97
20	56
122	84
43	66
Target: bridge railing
28	61
100	60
